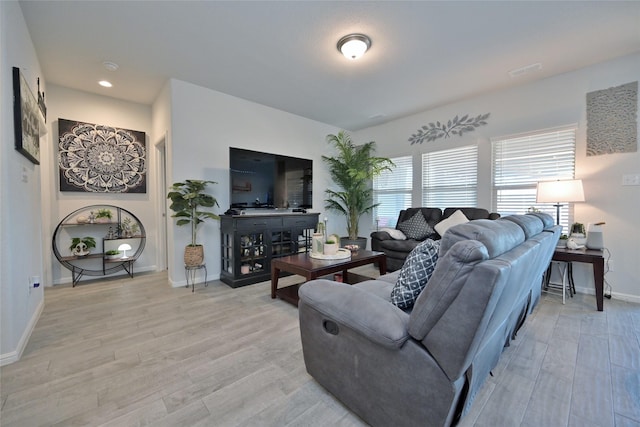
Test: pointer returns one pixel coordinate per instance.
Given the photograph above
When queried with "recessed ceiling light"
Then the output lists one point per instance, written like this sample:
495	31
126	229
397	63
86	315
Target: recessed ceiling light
105	83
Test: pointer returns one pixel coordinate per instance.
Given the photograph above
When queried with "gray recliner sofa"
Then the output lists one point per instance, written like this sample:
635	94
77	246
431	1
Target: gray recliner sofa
398	250
424	366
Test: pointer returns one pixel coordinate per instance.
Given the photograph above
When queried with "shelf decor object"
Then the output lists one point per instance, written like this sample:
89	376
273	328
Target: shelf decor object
101	159
28	121
124	248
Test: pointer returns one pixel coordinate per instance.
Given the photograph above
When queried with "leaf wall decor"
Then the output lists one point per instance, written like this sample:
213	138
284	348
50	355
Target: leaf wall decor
456	126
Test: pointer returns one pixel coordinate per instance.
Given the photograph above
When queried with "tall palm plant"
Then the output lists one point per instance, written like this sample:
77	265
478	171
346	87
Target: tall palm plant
352	169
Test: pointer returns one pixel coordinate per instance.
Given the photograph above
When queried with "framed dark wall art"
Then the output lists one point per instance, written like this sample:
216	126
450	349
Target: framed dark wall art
101	159
28	121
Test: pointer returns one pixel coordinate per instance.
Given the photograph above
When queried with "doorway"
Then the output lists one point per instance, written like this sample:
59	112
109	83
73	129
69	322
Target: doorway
161	167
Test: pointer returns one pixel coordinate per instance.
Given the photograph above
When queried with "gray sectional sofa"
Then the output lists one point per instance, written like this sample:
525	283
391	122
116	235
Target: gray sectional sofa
424	366
397	250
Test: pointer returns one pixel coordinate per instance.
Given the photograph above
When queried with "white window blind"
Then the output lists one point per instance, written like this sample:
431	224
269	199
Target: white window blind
450	177
392	189
519	162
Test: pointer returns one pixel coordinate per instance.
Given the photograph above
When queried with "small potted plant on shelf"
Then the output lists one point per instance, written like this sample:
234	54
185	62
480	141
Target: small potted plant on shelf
187	199
104	215
81	246
578	233
129	227
562	242
112	254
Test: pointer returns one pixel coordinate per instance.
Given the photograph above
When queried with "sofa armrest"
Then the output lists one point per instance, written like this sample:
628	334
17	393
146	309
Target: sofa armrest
381	235
372	317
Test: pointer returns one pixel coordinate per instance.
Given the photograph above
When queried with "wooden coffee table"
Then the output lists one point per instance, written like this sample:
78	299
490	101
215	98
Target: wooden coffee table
312	268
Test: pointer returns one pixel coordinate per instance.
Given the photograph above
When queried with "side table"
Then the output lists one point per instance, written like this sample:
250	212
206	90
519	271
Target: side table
190	273
589	256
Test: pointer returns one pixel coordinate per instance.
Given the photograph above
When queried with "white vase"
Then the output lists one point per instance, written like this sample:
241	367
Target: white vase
317	245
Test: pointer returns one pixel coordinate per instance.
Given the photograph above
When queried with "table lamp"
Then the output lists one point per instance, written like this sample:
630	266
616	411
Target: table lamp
124	248
567	191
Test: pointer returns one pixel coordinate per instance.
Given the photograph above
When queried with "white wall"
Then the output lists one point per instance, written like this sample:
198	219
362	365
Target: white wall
21	237
70	104
205	123
552	102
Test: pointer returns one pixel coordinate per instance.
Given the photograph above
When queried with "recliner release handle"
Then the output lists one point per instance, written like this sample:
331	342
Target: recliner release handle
330	326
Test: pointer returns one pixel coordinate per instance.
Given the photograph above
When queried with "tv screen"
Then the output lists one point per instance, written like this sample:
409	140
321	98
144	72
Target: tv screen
268	181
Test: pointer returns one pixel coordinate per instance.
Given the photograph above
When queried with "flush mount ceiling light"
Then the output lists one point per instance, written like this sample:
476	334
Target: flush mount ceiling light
105	83
353	46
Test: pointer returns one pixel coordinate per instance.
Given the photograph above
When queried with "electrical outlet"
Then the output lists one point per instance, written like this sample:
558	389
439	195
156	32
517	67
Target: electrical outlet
610	264
631	179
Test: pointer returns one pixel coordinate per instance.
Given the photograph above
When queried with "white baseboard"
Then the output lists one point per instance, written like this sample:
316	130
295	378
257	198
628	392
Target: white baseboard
614	295
14	356
67	279
183	283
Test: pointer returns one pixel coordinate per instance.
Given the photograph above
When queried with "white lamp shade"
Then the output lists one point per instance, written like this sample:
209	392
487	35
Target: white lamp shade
560	191
124	248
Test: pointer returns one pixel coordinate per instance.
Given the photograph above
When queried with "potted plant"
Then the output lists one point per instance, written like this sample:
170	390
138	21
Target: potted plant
104	215
578	233
187	199
128	227
112	254
81	246
352	169
562	242
330	247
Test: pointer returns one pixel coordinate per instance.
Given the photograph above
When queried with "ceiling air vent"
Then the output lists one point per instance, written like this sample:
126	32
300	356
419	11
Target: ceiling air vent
525	70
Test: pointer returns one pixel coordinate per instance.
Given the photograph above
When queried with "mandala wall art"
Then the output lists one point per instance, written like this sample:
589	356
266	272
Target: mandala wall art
101	159
612	125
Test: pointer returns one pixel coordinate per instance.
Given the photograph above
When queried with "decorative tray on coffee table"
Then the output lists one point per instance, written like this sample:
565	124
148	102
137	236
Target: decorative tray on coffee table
341	254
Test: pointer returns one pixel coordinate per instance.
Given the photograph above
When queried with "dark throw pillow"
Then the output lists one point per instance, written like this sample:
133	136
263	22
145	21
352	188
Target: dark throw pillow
416	227
415	273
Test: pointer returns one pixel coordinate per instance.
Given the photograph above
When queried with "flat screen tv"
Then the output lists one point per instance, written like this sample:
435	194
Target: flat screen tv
268	181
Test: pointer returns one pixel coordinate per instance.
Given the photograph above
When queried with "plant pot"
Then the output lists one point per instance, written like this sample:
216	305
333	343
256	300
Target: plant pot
193	255
360	241
330	248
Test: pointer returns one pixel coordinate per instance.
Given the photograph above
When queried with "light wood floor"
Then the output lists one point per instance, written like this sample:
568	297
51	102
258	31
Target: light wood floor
138	352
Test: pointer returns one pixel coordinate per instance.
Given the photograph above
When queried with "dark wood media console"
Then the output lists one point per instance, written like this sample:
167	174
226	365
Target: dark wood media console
251	242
